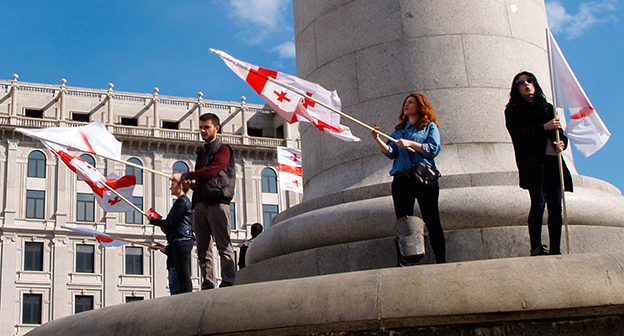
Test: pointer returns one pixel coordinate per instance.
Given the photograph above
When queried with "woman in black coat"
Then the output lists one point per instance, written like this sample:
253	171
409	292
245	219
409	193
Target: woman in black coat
531	123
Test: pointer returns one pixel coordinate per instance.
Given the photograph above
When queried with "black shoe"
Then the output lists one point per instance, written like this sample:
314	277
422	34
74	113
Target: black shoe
541	250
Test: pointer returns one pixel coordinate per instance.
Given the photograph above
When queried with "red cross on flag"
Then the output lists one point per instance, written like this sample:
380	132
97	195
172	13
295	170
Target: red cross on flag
585	129
285	94
289	164
107	199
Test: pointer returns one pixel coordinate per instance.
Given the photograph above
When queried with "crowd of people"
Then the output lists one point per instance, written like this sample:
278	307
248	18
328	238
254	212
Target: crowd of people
537	140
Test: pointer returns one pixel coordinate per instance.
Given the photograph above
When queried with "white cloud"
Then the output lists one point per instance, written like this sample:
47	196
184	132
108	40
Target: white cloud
259	19
590	13
286	50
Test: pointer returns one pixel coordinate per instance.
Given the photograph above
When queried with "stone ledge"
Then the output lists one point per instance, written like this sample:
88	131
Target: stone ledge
514	290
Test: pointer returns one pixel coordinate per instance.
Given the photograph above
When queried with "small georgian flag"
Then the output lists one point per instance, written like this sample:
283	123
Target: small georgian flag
290	174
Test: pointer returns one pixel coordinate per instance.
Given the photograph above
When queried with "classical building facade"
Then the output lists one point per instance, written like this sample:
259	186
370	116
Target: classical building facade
48	272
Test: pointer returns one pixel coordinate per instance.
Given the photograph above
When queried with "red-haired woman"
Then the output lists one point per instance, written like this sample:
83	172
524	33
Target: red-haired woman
417	129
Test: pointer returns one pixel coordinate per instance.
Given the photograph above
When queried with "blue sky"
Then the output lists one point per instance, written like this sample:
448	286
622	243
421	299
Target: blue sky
141	45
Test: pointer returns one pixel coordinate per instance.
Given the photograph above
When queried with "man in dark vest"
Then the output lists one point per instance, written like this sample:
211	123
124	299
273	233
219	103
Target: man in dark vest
215	177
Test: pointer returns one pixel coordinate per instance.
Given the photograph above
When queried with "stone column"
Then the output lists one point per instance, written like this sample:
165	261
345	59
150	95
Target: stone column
10	204
462	56
7	283
62	95
109	104
61	264
155	101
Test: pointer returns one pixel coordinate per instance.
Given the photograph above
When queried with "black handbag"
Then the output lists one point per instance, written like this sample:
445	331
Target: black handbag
425	173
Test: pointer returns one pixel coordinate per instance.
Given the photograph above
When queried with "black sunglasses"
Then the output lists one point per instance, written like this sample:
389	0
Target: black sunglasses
528	80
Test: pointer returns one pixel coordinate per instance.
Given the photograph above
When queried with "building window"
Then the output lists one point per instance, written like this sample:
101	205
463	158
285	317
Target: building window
130	121
135	217
268	212
180	167
80	116
85	209
31	309
134	260
133	299
36	164
269	181
35	203
233	215
84	258
138	172
88	159
254	132
174	125
33	113
83	303
279	132
33	256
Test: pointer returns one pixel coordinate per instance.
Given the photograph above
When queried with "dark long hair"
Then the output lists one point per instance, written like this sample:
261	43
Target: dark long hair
425	110
515	97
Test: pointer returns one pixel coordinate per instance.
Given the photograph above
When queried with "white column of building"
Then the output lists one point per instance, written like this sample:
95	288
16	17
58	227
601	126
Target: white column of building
244	117
109	104
62	93
155	101
110	275
10	205
160	204
249	195
8	265
62	195
110	270
60	268
14	86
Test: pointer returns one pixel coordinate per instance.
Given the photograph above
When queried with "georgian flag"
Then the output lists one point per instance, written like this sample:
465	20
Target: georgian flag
106	198
93	138
284	93
103	238
585	129
290	173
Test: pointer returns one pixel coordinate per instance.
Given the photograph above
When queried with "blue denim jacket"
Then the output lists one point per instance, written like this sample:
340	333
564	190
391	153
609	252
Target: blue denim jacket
428	136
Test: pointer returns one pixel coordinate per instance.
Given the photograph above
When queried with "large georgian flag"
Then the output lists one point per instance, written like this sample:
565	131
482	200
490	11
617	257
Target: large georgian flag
285	94
290	173
106	198
585	129
103	238
93	138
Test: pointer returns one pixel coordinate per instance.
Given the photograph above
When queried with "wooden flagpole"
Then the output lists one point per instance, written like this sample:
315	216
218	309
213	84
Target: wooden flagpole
133	242
140	167
557	138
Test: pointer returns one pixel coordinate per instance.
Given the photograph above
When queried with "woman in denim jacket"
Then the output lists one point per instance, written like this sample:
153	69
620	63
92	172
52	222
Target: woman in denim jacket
417	129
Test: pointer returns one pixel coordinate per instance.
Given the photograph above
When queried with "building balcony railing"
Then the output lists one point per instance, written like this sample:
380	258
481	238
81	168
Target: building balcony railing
144	132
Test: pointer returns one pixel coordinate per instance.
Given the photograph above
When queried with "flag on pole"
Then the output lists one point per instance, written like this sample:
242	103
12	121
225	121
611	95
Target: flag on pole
585	129
286	95
106	198
289	165
93	138
103	238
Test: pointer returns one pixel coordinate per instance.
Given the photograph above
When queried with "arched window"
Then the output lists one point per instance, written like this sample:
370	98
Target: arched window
180	167
36	164
135	171
88	159
269	181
